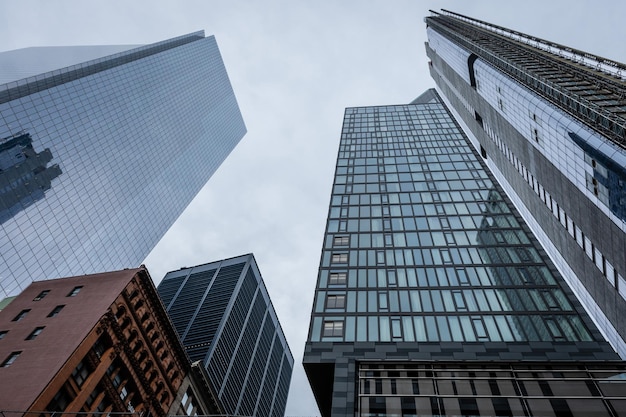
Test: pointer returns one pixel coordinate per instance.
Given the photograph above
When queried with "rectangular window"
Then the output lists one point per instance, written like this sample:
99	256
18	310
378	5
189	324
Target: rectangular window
341	241
75	291
21	315
333	329
9	361
336	301
337	278
41	295
339	258
35	333
536	135
56	311
80	374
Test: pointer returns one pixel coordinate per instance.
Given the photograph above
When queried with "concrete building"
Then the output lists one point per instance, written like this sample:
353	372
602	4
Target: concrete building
102	148
225	319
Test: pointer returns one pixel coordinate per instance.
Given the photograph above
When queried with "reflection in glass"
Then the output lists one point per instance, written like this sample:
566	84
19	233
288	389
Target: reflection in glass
24	174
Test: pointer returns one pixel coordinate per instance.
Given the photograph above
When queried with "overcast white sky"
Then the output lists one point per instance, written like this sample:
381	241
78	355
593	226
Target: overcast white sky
294	65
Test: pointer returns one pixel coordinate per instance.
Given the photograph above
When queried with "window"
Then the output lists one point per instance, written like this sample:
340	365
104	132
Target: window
60	401
336	301
536	135
75	291
341	240
333	329
339	258
21	315
80	374
337	278
9	361
41	295
35	333
56	311
3	333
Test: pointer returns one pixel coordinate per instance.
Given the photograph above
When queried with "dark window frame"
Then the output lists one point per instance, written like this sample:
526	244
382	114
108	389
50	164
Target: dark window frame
10	360
56	310
21	314
41	295
36	332
74	291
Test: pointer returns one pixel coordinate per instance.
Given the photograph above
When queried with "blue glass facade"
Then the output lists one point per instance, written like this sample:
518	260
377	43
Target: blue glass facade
225	319
425	260
98	159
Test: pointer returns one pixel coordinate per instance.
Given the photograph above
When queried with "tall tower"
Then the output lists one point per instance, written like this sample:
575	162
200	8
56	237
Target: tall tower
433	297
102	148
226	321
550	122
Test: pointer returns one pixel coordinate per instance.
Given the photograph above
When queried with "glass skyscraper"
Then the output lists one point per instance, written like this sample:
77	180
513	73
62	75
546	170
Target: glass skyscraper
550	122
102	148
433	296
226	321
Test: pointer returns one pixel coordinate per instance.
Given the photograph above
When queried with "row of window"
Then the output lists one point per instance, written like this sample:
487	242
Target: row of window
425	198
401	110
505	389
451	301
22	314
431	237
457	328
474	276
456	210
455	146
496	255
407	187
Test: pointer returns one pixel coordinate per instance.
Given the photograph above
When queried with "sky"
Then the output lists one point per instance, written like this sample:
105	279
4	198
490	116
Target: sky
295	66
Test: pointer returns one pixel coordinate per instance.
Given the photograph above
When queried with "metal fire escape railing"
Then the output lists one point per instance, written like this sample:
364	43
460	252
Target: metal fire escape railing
609	66
544	72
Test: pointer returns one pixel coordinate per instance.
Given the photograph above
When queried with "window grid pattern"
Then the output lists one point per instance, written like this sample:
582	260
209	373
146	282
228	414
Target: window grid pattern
226	320
436	251
491	390
121	153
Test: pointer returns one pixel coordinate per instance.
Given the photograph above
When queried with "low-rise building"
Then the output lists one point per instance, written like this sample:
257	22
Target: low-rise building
93	343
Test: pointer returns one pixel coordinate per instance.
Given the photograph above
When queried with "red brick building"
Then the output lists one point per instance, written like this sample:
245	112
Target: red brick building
99	342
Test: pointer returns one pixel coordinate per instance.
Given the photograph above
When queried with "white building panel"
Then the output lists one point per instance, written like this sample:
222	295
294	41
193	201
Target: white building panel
455	56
